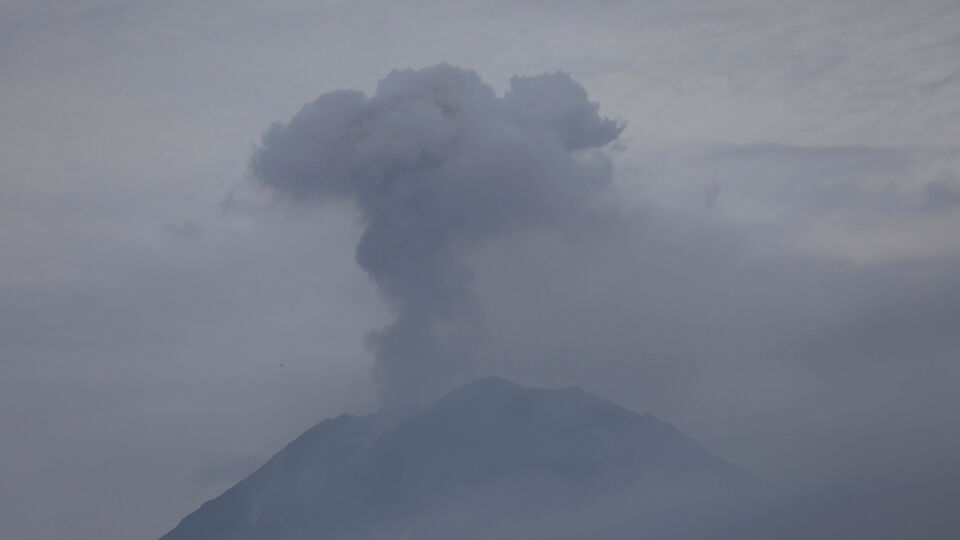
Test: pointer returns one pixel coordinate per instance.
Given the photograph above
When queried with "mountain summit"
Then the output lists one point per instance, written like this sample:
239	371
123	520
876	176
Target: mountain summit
488	460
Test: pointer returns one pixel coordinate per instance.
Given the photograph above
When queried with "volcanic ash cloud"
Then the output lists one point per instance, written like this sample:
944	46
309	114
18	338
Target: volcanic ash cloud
437	164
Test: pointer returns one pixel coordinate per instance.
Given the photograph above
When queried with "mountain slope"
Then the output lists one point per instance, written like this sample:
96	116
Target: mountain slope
490	459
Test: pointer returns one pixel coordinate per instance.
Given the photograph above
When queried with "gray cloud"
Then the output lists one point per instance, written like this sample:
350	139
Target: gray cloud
183	229
943	193
437	165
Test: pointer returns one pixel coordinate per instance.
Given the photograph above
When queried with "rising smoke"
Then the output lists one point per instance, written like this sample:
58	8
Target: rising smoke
436	164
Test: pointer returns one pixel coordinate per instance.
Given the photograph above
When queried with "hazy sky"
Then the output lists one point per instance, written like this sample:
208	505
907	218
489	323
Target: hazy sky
778	272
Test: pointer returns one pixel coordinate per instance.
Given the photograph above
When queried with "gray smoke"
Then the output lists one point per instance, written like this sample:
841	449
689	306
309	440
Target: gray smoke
436	164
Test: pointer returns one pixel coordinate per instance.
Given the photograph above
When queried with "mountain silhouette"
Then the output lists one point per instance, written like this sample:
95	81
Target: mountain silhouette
488	460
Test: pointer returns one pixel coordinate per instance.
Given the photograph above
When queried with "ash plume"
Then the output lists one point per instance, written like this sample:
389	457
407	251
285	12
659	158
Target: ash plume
437	164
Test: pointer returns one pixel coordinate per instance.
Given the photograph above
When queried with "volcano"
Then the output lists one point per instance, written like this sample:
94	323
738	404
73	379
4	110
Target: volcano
488	460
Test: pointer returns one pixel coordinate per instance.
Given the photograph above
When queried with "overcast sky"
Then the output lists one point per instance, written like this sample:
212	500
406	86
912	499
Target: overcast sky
777	274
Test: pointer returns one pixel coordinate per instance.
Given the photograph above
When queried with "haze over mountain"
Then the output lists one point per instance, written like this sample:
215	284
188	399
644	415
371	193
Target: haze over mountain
492	459
764	251
488	460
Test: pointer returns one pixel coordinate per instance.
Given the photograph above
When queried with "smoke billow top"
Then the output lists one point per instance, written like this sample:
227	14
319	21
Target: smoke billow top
437	164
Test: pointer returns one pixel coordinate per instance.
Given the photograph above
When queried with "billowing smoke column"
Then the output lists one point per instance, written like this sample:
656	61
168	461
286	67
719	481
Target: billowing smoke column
437	164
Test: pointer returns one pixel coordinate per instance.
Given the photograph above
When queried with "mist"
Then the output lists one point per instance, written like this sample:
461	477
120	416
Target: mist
737	216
